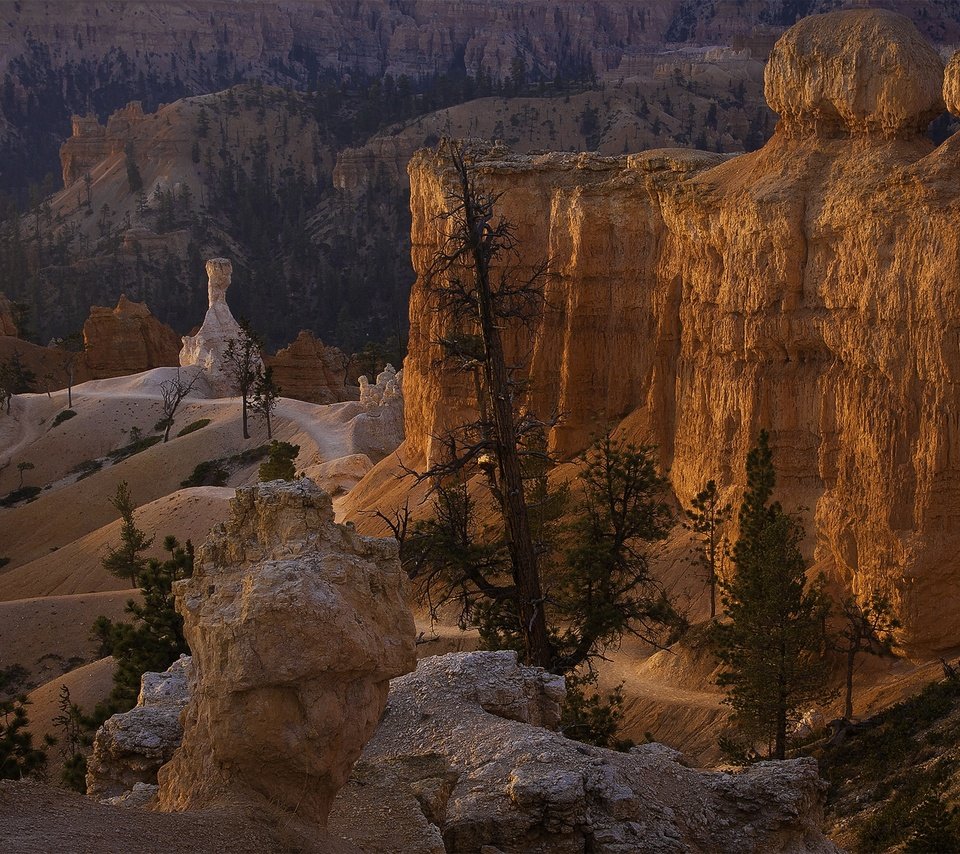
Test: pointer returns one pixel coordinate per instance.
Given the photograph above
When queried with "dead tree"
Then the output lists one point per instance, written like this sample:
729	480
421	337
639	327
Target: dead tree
478	291
173	392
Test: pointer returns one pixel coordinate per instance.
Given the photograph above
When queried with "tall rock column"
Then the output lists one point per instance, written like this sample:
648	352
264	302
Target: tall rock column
208	346
296	625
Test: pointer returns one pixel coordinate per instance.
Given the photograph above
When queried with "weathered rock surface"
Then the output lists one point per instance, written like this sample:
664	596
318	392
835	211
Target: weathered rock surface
208	347
861	72
129	748
464	758
377	429
951	84
310	370
522	788
296	625
126	340
810	288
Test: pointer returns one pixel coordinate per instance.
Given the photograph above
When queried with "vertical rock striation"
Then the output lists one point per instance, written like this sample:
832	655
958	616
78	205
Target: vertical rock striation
296	624
811	288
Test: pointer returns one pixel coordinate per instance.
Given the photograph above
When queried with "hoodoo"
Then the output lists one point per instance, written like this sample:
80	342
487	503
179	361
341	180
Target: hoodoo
809	288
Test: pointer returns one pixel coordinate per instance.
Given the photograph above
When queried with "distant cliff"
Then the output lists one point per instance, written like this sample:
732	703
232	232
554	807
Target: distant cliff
811	288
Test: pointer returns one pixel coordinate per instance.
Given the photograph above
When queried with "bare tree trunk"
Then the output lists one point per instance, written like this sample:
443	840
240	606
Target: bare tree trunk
519	537
848	702
246	434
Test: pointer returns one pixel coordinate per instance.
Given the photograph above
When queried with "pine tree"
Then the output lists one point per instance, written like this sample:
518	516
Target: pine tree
280	464
18	757
772	647
127	560
265	394
154	640
242	364
707	517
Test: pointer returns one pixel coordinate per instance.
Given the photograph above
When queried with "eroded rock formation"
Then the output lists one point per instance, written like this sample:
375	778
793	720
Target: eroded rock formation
464	758
208	347
310	370
127	339
296	625
8	326
811	288
522	788
130	748
91	142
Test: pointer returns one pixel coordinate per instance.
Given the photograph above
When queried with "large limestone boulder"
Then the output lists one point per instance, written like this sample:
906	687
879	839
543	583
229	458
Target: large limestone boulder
296	624
854	72
507	784
208	346
129	748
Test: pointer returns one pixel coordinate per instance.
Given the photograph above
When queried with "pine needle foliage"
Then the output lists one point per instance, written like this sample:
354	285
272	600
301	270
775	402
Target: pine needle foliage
772	646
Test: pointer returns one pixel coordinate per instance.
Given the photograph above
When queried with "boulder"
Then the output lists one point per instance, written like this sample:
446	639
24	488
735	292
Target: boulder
296	625
854	72
129	748
523	788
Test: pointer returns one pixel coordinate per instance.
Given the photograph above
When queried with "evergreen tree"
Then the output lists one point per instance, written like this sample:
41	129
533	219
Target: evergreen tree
265	394
18	757
868	626
242	364
772	647
134	180
707	517
127	561
154	640
280	464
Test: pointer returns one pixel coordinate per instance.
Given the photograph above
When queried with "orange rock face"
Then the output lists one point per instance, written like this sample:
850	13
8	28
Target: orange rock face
126	340
309	370
811	288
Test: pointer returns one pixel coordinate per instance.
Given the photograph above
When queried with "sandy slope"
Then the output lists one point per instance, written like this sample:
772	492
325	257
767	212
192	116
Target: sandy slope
51	635
75	568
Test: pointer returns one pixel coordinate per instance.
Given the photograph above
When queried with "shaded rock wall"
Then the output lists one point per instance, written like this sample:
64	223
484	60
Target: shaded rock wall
810	288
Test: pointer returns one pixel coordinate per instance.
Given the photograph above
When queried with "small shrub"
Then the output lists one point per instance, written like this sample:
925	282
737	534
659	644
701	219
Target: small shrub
66	415
192	428
207	473
26	493
280	465
12	678
18	757
135	447
4	561
591	717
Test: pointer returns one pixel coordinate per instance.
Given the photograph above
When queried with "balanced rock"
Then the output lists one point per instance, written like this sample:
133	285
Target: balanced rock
208	347
125	340
854	72
129	748
296	624
500	779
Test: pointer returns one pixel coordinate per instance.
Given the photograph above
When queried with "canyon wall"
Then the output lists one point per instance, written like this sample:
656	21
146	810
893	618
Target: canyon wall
811	288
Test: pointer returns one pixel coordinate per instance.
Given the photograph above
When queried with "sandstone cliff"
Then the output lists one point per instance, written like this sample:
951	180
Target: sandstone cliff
126	340
296	624
809	288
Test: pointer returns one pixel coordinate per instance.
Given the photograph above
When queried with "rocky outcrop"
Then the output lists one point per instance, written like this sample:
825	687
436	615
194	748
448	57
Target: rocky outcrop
308	369
464	757
854	73
127	339
90	142
508	783
129	748
296	625
809	288
209	346
377	429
